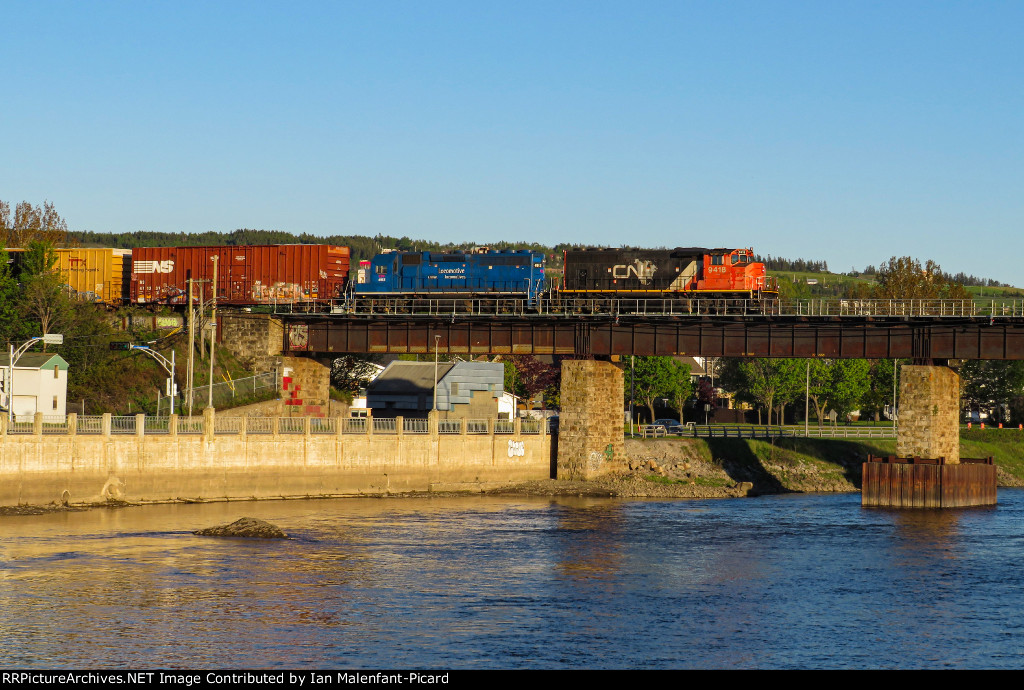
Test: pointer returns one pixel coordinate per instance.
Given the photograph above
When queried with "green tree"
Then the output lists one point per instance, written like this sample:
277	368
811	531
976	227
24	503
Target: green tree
10	318
850	381
879	393
650	378
771	382
350	372
684	388
43	299
906	278
991	386
818	382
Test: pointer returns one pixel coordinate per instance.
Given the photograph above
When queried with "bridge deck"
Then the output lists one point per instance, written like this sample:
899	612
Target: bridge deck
765	335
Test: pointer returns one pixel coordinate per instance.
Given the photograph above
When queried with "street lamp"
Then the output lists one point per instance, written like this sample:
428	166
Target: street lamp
15	355
167	364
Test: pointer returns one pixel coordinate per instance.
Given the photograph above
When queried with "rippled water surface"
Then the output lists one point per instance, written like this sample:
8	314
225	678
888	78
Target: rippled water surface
799	581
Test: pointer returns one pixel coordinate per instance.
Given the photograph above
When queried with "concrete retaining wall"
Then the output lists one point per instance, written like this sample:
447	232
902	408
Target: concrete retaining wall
39	469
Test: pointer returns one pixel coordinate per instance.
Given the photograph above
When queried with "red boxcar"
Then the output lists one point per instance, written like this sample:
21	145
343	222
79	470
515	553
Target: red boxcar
263	274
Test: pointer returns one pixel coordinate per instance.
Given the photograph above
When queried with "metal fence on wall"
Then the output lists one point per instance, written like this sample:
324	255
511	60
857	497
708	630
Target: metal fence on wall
229	393
182	425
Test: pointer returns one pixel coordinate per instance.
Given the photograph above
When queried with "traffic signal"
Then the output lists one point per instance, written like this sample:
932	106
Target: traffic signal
120	345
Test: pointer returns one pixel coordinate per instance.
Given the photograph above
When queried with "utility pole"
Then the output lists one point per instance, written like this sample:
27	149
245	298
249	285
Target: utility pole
191	346
807	400
213	328
202	312
894	431
632	391
437	342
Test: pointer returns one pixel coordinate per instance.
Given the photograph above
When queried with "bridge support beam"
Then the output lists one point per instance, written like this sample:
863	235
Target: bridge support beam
590	441
928	472
305	386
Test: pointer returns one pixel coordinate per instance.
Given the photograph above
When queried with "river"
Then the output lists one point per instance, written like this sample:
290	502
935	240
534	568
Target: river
780	582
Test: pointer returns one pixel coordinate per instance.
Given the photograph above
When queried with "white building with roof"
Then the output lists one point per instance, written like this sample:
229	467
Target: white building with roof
40	384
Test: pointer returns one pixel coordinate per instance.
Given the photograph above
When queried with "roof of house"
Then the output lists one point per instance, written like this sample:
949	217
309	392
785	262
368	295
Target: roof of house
696	368
408	377
35	360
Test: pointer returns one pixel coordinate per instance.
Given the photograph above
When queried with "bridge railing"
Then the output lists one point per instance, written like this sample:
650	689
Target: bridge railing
674	307
225	425
764	431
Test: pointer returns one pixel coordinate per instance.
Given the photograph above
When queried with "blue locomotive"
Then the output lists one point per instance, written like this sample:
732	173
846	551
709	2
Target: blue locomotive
516	273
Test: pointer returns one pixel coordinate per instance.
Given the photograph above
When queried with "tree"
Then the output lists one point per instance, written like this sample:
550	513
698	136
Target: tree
349	373
879	393
684	388
905	278
651	378
772	381
991	386
9	308
43	296
819	380
530	376
30	223
850	381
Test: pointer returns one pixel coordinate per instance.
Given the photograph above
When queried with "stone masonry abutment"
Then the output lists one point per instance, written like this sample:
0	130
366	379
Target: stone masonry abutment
590	428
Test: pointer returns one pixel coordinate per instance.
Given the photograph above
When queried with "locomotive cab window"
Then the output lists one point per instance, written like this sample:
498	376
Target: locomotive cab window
718	260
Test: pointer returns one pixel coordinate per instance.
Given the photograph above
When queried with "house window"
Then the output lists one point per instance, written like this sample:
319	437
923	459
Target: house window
455	388
56	372
55	402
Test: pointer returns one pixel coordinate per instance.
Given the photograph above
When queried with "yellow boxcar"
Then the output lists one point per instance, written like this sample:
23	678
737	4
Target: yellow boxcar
97	275
94	274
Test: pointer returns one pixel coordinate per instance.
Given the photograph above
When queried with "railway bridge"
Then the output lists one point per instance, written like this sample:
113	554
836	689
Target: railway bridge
933	334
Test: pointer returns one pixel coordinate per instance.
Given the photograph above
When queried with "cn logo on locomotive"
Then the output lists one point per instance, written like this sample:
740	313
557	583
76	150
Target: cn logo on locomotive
643	270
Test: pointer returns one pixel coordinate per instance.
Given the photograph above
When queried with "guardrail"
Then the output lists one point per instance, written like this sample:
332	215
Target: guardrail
748	431
675	307
222	425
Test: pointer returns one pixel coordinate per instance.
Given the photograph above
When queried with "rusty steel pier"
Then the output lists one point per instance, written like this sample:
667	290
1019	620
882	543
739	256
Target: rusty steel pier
928	482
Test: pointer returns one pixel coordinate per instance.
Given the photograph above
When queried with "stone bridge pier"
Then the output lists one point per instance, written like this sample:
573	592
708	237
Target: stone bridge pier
590	438
927	471
257	341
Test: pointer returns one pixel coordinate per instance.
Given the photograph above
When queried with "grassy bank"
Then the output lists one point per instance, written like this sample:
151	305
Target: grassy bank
797	464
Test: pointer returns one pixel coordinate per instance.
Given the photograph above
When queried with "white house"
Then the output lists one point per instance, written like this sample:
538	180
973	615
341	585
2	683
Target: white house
40	384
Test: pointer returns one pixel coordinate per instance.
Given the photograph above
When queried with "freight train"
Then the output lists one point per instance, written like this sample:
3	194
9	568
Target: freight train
321	274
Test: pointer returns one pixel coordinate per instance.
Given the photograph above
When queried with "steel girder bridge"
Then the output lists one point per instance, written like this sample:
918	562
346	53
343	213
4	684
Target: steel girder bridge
922	330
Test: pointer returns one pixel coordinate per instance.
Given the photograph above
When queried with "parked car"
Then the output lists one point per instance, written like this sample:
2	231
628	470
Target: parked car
671	426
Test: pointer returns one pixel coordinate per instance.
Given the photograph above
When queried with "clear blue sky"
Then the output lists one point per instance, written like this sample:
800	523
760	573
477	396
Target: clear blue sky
844	131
